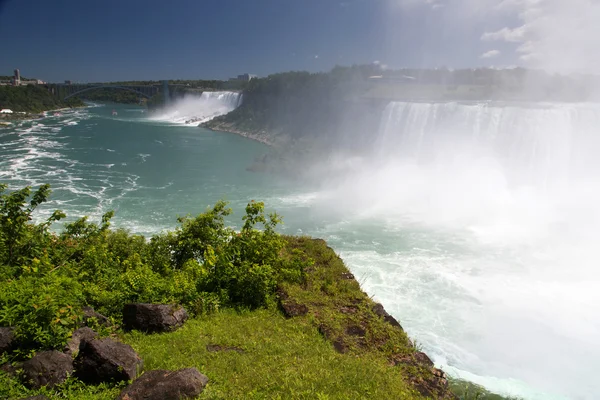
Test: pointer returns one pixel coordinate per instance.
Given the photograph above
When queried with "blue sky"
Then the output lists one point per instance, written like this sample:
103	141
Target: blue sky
90	40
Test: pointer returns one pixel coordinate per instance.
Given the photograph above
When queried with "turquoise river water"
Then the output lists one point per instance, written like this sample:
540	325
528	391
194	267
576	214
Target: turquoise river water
498	285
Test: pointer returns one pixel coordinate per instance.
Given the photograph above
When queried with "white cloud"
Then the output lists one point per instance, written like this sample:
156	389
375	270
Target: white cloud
559	35
554	34
490	54
509	35
434	4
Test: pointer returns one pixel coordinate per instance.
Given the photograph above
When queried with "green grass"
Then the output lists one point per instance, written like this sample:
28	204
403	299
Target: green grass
279	358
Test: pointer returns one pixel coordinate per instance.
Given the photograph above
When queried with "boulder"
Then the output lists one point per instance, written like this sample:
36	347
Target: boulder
47	368
7	339
293	309
347	275
104	360
89	313
153	318
79	335
166	385
380	311
356	330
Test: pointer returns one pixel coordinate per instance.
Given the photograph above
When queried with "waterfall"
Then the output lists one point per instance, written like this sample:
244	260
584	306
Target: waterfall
194	109
542	145
232	99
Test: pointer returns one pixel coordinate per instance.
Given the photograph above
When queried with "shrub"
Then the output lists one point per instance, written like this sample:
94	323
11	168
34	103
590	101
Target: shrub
204	265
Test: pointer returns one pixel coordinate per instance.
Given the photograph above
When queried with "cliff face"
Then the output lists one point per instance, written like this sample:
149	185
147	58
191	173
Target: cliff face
352	322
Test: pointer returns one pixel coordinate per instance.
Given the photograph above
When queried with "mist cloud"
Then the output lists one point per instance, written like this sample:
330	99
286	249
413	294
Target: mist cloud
556	35
491	54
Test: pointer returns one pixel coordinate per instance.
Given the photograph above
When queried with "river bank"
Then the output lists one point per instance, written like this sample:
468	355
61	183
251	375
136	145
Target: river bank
8	119
260	136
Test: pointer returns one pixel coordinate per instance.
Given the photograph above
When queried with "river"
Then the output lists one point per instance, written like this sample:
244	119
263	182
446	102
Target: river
496	280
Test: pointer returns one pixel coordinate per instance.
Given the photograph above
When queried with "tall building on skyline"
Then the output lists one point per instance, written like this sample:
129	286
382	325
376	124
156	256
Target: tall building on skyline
17	77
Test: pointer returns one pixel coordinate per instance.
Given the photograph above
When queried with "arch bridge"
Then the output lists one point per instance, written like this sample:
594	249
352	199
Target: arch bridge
66	91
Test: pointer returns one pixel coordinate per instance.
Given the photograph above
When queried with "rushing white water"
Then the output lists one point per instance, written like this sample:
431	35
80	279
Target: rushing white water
491	213
474	224
194	110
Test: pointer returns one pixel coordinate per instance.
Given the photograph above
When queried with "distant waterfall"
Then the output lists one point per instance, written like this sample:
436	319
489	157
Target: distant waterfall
232	99
194	109
532	144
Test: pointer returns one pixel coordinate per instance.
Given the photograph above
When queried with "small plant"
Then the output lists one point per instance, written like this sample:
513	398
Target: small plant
46	278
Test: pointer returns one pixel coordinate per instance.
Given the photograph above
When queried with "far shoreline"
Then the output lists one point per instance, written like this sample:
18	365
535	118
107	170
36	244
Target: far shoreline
261	137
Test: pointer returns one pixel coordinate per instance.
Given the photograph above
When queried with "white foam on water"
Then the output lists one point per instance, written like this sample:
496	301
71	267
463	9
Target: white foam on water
487	216
34	154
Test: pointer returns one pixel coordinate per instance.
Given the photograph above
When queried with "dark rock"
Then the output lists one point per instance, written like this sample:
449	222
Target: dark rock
7	339
347	275
289	306
47	368
293	309
356	330
417	359
79	335
153	317
325	331
380	311
89	313
340	346
430	381
103	360
338	342
423	359
212	348
166	385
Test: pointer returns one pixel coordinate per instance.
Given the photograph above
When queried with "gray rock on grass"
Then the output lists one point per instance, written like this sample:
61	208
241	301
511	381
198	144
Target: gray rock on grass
166	385
47	368
106	360
153	318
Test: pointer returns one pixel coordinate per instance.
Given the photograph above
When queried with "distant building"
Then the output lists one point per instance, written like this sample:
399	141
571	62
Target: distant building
246	77
33	82
17	77
6	111
68	82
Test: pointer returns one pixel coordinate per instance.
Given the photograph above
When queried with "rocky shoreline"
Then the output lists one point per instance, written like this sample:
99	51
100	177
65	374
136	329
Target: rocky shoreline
260	136
330	300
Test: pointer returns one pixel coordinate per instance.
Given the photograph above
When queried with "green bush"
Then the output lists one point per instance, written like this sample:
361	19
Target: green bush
46	277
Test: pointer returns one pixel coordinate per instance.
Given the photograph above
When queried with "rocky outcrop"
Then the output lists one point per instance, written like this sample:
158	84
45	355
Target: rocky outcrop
47	368
104	360
151	318
354	324
293	309
7	339
166	385
79	335
290	307
380	311
259	135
